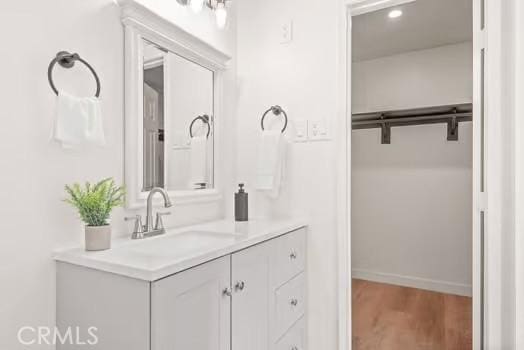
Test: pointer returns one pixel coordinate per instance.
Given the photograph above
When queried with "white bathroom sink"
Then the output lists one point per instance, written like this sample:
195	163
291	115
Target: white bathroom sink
181	244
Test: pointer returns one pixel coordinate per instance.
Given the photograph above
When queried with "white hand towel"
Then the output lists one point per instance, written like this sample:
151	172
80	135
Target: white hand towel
78	121
198	160
271	162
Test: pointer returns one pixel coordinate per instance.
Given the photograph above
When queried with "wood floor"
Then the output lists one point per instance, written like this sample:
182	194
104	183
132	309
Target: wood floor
387	317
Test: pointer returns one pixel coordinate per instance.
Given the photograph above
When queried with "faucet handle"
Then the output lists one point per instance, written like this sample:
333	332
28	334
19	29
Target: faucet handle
138	231
159	224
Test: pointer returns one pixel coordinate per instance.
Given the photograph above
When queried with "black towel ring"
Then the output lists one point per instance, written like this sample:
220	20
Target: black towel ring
205	119
67	60
277	110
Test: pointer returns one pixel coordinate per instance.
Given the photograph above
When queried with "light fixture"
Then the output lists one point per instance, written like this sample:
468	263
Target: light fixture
196	5
395	13
221	14
218	6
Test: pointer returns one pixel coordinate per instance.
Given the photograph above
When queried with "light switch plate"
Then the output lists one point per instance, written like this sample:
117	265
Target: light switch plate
181	140
286	32
300	130
317	130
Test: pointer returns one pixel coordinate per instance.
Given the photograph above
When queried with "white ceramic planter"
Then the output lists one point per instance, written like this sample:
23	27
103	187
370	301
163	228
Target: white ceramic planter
98	237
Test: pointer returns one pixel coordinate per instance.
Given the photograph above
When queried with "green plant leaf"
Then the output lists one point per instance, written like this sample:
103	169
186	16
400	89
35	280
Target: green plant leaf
94	202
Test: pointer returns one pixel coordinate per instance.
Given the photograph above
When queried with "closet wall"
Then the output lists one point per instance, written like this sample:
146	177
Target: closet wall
411	219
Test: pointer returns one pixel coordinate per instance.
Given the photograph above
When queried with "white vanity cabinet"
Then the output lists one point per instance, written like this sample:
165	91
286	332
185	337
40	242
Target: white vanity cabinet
192	309
249	299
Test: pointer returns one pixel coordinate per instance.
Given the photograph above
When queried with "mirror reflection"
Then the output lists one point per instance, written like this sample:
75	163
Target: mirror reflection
177	122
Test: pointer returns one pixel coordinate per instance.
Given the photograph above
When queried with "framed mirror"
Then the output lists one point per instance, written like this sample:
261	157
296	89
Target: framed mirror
178	135
173	89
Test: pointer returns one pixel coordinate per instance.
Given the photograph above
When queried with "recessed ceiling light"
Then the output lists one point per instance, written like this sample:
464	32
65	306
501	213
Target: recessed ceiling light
395	14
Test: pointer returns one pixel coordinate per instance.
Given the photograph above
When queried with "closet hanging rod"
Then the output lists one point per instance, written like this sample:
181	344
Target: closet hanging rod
452	115
413	116
403	121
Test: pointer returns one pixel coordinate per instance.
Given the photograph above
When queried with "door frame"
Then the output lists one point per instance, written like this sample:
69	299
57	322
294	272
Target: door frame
491	336
519	177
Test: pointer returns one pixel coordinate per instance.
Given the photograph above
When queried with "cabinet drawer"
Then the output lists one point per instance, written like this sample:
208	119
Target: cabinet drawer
290	256
290	304
295	339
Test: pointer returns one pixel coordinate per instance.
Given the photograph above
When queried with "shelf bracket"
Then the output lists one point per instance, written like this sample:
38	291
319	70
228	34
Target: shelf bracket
453	134
385	134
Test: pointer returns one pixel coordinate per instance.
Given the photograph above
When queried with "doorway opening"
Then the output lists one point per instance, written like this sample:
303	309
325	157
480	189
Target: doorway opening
412	176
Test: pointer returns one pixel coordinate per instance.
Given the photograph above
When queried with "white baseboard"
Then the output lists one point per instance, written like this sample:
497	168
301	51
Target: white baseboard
413	282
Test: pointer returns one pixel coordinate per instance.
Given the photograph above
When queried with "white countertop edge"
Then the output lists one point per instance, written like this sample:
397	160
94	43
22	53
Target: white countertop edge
89	260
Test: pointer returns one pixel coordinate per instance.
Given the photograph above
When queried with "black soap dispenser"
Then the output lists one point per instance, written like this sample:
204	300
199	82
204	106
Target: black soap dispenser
241	204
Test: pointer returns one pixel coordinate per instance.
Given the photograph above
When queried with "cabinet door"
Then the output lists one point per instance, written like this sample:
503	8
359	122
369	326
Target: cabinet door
250	308
191	310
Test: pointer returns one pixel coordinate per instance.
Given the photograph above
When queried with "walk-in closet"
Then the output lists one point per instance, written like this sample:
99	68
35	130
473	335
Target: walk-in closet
412	146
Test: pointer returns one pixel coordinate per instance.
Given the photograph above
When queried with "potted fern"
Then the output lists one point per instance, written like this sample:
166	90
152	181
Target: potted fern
94	203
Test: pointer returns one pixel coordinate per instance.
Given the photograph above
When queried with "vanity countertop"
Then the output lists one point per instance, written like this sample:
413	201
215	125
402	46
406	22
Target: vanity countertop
154	258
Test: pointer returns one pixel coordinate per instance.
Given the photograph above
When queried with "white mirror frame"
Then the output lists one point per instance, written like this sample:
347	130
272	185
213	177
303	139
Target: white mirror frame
142	24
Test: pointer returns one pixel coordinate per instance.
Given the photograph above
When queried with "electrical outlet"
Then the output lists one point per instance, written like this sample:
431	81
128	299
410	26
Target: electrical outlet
286	32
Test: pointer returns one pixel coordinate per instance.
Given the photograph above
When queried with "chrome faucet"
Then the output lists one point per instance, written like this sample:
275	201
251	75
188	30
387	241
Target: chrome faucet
148	230
149	215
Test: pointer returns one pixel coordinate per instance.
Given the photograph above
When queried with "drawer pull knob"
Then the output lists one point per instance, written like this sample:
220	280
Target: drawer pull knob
240	286
293	255
294	302
226	292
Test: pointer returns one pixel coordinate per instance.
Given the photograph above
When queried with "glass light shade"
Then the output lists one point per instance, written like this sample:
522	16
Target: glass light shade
221	15
197	5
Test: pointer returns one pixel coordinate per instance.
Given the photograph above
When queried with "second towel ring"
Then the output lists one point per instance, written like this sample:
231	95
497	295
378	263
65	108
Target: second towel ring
205	119
67	60
277	110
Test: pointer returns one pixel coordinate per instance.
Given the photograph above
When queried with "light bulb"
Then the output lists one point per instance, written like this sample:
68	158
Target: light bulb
221	15
395	14
197	5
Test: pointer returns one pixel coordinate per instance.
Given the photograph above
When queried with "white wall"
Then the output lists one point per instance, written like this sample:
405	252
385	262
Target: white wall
35	221
300	76
442	75
412	199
